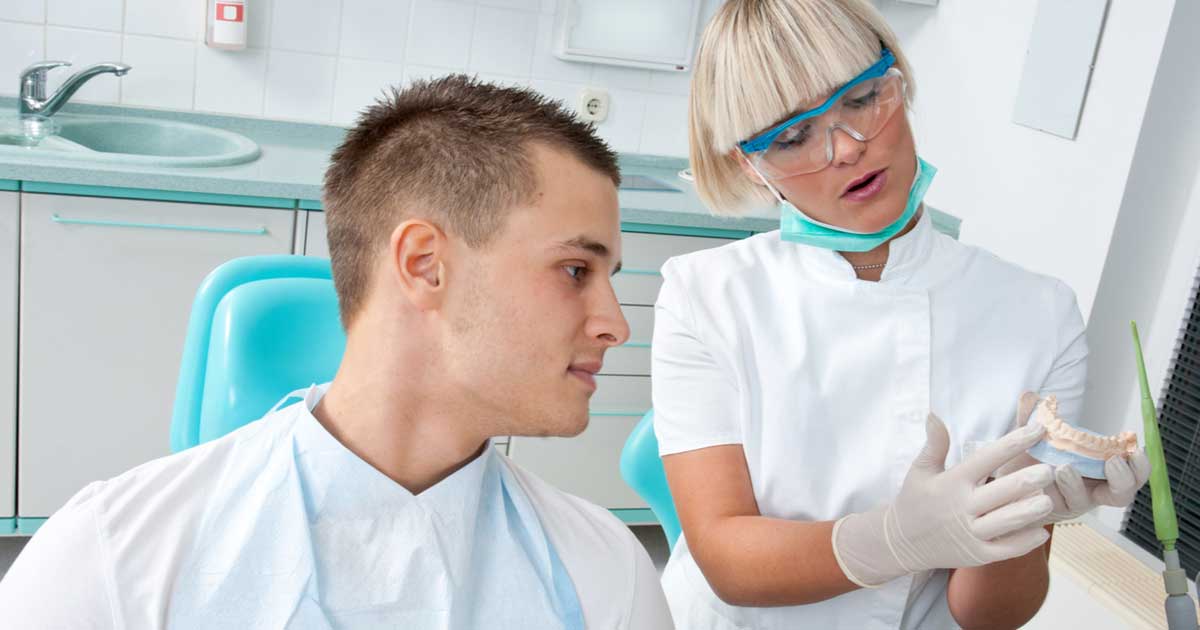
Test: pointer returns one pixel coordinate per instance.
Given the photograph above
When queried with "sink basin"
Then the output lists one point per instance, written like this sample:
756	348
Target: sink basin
136	141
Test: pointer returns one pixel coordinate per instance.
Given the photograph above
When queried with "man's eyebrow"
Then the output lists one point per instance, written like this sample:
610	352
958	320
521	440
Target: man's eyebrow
590	245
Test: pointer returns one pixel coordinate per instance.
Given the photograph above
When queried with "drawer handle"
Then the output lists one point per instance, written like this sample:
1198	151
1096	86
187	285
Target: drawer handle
641	272
259	231
617	414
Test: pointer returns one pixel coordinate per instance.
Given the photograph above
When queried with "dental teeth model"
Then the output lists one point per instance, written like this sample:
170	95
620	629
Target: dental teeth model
1082	449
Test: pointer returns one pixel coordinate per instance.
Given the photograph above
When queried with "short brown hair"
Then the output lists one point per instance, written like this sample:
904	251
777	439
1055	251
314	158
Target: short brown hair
454	150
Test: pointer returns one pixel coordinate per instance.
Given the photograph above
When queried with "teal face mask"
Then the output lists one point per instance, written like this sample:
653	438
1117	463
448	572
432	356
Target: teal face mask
797	227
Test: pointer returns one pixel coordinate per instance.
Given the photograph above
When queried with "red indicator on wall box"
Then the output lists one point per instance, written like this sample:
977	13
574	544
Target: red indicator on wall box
230	12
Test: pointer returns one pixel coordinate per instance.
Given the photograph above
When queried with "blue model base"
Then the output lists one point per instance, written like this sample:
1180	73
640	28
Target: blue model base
1088	467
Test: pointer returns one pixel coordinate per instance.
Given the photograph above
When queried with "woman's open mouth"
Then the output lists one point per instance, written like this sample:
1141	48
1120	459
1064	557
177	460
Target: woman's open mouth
866	186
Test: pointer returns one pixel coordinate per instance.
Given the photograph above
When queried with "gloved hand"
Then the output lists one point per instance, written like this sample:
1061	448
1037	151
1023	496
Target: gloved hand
946	519
1071	493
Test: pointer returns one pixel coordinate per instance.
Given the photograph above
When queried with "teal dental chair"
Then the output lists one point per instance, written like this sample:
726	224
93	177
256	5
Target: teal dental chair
642	469
261	327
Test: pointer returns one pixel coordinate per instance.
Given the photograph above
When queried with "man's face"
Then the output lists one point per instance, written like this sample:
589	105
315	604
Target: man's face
532	312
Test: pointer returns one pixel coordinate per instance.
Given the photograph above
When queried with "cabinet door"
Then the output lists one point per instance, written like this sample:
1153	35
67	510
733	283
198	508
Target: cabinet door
315	243
9	216
106	292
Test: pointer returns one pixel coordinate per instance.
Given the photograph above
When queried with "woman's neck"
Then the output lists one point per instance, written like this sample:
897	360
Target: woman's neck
869	265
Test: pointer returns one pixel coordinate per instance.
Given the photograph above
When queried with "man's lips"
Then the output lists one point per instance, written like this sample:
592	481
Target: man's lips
586	371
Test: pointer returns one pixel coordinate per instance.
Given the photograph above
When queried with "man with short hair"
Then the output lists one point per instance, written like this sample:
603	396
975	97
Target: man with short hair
473	231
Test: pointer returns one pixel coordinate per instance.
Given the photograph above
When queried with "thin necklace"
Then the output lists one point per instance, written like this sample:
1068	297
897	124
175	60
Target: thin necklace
866	267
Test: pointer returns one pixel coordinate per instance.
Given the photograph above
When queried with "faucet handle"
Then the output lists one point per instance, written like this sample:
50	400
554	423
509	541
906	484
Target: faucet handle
33	78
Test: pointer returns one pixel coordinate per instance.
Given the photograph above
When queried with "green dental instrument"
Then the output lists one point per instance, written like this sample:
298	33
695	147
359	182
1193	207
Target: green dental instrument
1181	611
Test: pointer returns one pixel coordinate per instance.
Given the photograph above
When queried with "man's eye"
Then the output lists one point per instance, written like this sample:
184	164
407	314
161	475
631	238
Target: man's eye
576	271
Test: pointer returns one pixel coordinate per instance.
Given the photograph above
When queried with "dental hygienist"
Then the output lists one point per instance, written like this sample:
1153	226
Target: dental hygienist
796	373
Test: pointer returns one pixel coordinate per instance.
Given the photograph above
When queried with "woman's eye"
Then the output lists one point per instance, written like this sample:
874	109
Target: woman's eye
792	137
864	100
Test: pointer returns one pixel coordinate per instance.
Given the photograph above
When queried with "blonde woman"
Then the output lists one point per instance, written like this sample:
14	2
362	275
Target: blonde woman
796	372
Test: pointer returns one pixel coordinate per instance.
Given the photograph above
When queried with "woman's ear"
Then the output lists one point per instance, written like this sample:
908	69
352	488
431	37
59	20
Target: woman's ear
743	162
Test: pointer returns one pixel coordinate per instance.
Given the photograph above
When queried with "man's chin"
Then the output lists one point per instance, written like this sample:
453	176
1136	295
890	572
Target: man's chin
566	426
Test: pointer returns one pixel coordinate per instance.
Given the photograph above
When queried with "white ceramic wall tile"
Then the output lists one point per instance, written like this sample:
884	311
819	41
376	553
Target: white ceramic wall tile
504	80
440	34
547	66
670	82
565	93
25	11
623	127
231	82
83	48
664	130
620	77
549	6
306	25
359	84
521	5
503	41
180	19
375	29
104	15
20	45
258	23
414	73
163	74
299	86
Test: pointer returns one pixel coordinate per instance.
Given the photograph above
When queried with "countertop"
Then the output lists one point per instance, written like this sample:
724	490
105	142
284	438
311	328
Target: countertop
294	158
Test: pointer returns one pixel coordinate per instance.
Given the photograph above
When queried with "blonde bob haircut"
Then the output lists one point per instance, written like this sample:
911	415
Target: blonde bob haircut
762	61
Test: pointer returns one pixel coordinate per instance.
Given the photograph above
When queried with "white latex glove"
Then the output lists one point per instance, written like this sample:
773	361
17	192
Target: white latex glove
1072	494
947	519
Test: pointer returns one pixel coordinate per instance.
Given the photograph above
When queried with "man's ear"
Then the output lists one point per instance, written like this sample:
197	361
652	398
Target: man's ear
416	256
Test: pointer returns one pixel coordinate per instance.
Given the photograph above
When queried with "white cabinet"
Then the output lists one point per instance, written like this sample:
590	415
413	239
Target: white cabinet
106	291
9	220
315	243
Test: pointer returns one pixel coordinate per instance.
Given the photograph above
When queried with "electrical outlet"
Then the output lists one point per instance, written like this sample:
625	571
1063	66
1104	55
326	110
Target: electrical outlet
593	105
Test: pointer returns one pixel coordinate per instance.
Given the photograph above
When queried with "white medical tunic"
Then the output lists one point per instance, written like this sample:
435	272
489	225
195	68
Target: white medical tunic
278	525
825	381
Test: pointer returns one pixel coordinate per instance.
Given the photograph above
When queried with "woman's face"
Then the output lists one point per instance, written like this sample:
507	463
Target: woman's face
825	195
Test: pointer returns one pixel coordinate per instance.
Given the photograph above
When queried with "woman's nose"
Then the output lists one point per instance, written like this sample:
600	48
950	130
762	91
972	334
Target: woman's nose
846	148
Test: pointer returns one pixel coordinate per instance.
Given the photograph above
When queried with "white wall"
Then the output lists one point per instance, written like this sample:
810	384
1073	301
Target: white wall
322	60
1153	256
1044	202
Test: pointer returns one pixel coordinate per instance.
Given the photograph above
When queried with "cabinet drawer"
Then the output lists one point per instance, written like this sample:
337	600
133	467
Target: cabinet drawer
587	465
632	358
643	256
621	395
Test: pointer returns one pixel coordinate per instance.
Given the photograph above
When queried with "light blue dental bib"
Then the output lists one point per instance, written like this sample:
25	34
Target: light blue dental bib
300	533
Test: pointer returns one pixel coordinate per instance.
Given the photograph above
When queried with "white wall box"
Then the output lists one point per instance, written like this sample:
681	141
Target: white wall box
653	34
1058	65
106	291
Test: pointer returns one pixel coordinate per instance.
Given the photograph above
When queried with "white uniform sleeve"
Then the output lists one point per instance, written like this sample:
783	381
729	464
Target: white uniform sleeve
695	397
1068	375
61	579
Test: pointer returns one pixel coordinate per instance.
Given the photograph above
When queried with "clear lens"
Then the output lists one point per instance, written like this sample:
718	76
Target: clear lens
805	146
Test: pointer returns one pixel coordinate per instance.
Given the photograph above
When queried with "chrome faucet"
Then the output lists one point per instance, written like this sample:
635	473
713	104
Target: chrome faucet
33	99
